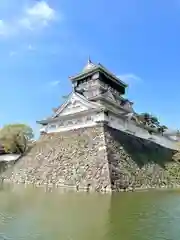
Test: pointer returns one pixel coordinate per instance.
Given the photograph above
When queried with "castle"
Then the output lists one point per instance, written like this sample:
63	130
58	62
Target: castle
97	96
96	141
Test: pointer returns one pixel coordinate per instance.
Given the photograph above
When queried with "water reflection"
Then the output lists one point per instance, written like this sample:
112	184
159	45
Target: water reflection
144	216
35	214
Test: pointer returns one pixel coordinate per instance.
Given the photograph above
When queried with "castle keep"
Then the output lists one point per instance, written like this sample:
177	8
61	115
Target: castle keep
98	97
95	140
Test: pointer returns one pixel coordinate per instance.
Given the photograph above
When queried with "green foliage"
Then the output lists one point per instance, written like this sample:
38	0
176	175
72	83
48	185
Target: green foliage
17	129
154	121
15	137
151	121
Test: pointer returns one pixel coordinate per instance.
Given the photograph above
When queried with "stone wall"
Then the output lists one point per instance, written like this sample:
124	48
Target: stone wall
139	163
99	158
71	159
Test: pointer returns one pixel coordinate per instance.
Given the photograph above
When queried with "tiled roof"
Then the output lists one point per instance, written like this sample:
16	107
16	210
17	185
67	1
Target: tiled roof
89	66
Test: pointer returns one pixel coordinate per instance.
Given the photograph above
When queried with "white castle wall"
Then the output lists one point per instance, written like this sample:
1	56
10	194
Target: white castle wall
131	128
114	122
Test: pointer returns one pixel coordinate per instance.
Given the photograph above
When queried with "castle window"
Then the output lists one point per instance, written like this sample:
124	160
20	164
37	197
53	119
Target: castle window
69	122
53	126
88	118
78	121
60	124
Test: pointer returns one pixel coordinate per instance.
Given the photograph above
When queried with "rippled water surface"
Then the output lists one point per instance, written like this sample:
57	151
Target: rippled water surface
36	214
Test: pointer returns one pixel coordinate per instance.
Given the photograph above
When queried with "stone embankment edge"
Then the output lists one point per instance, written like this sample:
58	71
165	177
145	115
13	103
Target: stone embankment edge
85	190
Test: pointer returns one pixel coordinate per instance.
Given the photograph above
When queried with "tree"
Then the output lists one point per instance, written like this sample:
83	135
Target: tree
15	137
162	129
149	120
144	118
17	129
154	121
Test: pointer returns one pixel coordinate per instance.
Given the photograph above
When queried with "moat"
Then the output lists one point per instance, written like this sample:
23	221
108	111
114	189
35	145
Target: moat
27	213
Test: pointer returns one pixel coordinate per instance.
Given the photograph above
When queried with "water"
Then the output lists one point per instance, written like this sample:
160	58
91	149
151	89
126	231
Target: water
38	215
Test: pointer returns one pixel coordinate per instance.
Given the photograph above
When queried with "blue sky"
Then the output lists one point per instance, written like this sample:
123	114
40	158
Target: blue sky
44	42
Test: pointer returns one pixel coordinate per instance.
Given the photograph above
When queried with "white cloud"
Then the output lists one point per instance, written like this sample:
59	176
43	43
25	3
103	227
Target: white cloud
39	15
42	11
50	87
130	78
12	53
54	83
31	48
3	28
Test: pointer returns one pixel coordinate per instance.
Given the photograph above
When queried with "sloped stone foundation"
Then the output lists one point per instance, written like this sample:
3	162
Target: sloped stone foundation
72	159
137	163
98	159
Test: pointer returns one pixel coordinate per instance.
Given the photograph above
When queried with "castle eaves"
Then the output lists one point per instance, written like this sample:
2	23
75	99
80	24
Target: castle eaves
91	68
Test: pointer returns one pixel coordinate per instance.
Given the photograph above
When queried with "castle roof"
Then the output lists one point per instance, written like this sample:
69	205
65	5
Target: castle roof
91	68
85	106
